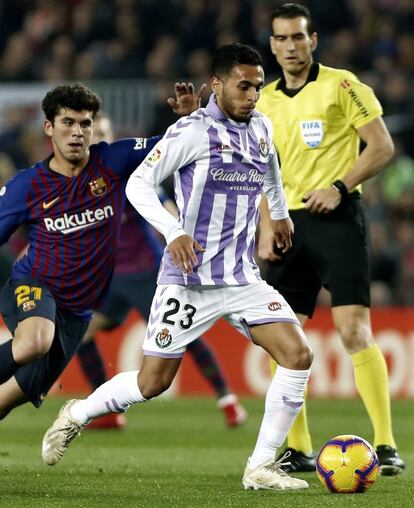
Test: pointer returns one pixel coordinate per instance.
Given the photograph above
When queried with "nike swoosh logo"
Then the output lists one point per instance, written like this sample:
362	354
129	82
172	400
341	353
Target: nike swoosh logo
51	203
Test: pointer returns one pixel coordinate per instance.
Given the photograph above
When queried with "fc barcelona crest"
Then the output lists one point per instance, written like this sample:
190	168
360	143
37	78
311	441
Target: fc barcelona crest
263	148
98	187
28	306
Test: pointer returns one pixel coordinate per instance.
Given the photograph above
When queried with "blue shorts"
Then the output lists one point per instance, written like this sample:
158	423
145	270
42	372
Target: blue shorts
23	298
126	292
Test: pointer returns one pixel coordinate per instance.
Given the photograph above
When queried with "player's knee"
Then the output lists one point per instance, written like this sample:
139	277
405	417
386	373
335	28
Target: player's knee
154	386
296	358
303	359
41	344
355	335
37	346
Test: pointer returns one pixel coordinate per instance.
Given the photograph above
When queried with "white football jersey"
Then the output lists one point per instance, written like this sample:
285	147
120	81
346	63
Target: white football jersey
220	169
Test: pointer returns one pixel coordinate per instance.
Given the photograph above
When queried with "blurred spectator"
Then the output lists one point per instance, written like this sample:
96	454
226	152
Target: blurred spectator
16	60
398	175
9	251
164	60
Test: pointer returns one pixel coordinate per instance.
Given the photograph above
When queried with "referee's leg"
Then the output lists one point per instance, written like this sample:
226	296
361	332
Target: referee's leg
353	324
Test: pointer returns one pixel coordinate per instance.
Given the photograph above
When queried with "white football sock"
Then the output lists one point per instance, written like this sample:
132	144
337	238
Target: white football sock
114	396
284	400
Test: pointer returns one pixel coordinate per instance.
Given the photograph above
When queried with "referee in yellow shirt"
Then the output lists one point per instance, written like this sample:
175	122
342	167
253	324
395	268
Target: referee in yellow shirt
319	115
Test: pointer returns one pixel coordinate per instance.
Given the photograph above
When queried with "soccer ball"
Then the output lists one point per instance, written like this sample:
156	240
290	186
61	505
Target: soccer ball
347	464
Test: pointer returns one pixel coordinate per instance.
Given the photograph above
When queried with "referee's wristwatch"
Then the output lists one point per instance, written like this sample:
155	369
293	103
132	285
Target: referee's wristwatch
340	187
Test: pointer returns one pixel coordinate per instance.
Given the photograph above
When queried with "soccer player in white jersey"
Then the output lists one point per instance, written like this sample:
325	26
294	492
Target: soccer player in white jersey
222	158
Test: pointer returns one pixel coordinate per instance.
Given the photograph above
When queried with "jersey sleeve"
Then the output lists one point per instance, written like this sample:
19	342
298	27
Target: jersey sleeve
272	184
178	148
357	101
13	206
126	154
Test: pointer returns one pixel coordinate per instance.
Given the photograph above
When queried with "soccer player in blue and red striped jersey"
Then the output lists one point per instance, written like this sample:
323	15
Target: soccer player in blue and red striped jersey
72	203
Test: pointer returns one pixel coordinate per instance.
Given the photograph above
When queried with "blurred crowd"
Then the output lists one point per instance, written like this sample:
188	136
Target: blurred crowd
168	40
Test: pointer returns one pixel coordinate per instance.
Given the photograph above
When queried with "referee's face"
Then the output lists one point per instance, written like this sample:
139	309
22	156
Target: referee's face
238	92
292	45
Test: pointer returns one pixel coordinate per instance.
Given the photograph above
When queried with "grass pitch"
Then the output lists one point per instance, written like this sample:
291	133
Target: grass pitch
177	453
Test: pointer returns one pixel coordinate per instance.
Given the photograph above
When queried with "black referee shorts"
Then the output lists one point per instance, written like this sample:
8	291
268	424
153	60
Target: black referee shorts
25	298
329	250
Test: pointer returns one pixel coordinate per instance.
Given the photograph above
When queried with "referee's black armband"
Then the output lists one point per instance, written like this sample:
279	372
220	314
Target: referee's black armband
339	186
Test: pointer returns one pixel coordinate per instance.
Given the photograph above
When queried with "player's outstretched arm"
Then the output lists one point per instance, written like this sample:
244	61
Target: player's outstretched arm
186	100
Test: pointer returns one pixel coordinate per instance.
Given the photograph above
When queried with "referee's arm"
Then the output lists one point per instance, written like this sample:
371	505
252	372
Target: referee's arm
378	151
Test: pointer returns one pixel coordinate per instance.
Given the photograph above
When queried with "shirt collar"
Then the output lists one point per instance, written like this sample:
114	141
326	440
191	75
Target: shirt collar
213	109
291	92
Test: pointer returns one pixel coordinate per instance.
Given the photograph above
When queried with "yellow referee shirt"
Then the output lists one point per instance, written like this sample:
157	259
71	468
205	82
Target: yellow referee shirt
315	130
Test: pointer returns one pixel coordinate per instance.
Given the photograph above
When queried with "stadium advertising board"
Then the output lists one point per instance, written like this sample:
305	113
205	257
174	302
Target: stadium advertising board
246	366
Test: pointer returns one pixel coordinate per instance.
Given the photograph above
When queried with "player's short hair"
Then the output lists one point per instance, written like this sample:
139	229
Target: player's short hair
231	55
291	11
74	96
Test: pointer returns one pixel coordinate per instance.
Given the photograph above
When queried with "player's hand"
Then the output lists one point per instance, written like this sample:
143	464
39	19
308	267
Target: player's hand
322	200
183	252
186	101
266	245
283	230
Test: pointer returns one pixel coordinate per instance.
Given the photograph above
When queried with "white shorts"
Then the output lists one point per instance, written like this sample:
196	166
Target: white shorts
181	314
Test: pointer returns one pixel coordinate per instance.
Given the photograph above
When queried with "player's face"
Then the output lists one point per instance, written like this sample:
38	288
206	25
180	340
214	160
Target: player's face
102	130
239	91
71	134
292	45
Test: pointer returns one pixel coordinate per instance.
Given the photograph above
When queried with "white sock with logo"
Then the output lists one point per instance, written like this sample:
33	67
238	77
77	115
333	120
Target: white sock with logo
114	396
284	400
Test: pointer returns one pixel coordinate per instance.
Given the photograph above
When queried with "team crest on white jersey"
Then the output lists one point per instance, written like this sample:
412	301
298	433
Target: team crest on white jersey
263	148
98	187
312	132
163	338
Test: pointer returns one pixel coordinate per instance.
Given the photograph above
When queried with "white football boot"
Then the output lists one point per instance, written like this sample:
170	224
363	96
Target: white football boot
59	436
270	476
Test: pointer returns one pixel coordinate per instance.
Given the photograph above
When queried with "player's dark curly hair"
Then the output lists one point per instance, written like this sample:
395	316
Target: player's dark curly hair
292	11
74	96
231	55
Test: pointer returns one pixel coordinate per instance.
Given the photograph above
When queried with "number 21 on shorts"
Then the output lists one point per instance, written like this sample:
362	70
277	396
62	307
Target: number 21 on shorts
26	296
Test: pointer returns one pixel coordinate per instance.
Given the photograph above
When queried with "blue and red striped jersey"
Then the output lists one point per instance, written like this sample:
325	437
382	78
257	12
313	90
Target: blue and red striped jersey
73	222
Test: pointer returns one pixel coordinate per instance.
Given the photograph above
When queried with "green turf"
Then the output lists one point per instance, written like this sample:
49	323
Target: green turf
178	453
